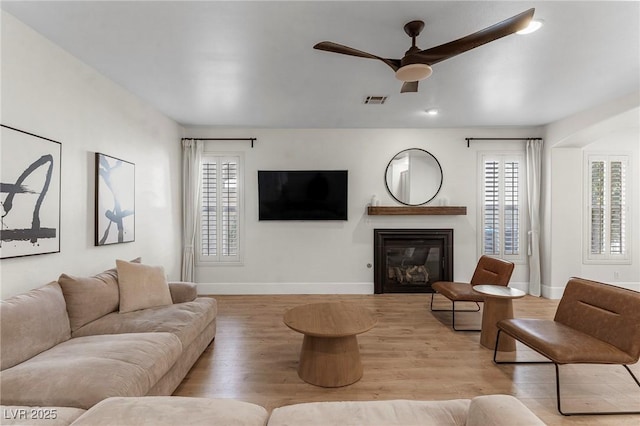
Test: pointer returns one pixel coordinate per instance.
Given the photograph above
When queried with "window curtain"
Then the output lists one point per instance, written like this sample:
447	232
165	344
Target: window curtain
191	159
534	159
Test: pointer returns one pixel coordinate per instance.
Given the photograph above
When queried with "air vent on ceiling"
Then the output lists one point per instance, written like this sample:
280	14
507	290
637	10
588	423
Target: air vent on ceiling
375	100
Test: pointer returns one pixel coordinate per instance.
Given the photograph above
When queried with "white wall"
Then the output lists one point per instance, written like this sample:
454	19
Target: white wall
312	257
47	92
610	128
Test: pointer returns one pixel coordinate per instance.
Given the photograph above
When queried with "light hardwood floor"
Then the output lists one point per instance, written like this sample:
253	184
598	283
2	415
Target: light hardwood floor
411	353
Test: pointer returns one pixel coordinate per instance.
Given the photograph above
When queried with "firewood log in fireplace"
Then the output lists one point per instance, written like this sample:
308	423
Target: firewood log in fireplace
417	274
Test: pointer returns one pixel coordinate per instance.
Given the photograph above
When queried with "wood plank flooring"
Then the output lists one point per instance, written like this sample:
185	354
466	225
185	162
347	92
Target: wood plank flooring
411	353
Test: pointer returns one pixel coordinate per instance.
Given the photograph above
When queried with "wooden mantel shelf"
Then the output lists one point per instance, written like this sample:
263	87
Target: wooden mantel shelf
419	210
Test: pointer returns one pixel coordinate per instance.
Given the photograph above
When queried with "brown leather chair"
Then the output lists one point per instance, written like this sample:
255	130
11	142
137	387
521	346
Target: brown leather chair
595	323
489	270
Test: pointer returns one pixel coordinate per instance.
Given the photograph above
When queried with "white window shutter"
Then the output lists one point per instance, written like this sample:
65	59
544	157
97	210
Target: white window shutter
511	208
502	200
491	214
209	212
220	218
606	226
230	206
617	186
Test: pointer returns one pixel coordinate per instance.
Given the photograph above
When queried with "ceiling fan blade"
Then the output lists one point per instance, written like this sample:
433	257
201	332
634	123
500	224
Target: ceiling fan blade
489	34
329	46
409	86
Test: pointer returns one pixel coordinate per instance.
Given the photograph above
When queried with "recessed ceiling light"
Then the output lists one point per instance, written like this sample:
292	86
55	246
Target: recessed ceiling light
432	111
533	26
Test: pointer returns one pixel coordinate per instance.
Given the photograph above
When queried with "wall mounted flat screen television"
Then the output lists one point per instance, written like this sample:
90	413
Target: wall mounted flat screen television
302	194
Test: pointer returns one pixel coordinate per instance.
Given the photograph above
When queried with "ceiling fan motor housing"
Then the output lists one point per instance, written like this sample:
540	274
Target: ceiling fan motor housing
412	67
413	72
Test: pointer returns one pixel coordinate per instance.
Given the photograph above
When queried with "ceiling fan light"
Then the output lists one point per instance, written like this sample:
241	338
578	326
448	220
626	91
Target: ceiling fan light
413	72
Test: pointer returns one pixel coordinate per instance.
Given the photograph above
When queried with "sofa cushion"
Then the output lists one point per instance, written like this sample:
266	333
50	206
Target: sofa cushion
173	410
183	291
185	320
141	286
19	415
396	412
31	323
500	410
83	371
89	298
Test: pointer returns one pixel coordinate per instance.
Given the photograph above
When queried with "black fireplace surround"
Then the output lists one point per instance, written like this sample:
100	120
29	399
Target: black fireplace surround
410	260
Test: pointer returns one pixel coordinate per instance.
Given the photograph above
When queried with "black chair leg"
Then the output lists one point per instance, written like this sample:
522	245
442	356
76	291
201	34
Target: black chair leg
453	318
495	352
632	375
591	413
453	313
558	400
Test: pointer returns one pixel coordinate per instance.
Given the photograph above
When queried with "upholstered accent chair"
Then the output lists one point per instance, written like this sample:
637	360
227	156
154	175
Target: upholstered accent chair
595	323
489	270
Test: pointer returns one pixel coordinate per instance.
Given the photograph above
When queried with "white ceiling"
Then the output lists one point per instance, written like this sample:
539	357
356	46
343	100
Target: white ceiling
251	64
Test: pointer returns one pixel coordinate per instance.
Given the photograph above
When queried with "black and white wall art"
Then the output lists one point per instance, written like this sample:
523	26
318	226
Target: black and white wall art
115	200
30	193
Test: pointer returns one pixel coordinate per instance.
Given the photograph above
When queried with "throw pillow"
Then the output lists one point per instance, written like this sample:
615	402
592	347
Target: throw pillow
90	298
141	286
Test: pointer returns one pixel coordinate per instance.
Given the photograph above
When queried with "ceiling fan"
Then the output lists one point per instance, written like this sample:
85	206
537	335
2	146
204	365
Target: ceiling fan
416	64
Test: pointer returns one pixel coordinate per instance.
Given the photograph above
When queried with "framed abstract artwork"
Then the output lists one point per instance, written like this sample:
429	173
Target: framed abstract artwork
115	201
30	193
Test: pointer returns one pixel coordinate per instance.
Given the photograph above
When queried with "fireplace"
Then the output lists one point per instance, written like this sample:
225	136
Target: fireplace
410	260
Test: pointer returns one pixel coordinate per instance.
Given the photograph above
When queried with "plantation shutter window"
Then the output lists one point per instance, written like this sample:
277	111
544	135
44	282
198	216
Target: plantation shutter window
597	207
220	210
617	243
209	217
511	208
501	201
607	208
491	213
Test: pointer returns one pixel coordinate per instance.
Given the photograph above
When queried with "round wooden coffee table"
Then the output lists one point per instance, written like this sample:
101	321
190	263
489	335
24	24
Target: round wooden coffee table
330	356
497	306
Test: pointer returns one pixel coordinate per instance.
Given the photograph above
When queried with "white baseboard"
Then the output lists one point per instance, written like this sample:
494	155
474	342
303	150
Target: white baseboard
545	291
548	292
285	288
556	292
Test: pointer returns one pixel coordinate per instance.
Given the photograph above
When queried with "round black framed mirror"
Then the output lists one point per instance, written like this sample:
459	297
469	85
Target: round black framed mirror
413	177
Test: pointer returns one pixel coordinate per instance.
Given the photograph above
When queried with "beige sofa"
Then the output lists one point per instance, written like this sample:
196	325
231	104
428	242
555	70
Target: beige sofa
69	357
495	410
66	344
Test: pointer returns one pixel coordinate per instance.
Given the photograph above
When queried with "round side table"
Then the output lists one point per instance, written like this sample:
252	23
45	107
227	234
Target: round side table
497	306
